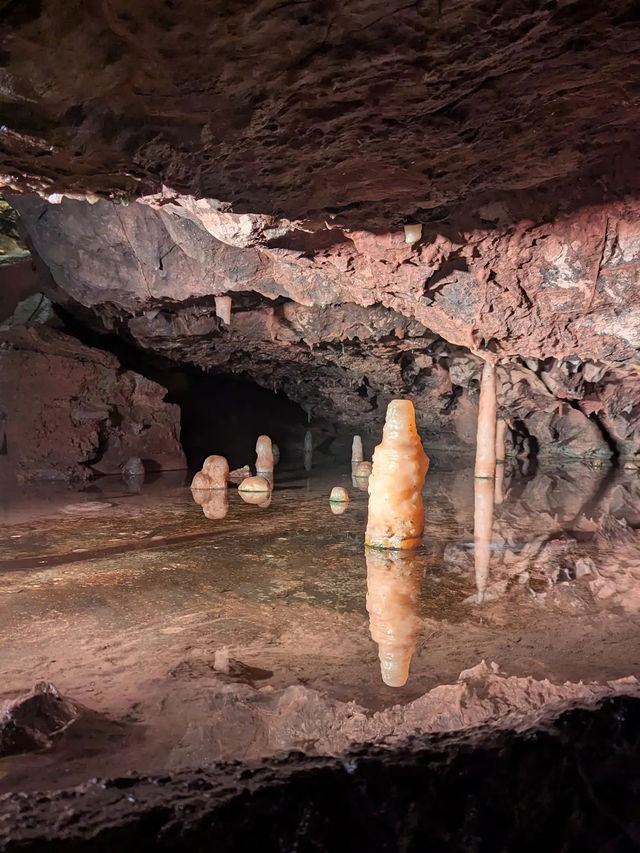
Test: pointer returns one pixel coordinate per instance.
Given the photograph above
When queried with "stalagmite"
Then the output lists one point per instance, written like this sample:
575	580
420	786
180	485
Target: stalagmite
254	484
264	454
356	450
486	433
276	453
255	490
223	308
482	530
393	588
214	473
339	495
396	513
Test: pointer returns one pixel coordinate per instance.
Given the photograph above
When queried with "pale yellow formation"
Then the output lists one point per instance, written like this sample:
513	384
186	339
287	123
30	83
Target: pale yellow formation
396	512
393	589
486	434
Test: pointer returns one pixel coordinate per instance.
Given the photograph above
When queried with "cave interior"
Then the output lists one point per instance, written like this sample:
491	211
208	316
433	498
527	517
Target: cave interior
313	221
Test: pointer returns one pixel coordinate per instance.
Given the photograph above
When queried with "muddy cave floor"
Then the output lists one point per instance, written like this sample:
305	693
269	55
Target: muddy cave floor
172	627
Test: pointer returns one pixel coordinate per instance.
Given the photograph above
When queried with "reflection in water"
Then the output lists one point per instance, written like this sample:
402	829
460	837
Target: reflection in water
338	508
308	450
393	588
217	506
483	490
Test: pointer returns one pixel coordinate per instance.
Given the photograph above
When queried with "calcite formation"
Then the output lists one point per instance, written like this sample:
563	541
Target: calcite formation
264	455
396	512
214	474
486	432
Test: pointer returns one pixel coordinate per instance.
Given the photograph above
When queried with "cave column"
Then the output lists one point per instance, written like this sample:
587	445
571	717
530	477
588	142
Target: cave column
486	435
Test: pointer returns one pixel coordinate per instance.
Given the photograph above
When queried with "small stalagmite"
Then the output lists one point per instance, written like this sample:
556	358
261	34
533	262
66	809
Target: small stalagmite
276	453
356	450
396	512
264	454
486	433
255	484
214	473
339	495
393	589
255	490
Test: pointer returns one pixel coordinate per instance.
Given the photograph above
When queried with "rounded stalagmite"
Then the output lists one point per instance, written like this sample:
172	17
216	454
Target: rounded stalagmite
255	490
396	512
339	495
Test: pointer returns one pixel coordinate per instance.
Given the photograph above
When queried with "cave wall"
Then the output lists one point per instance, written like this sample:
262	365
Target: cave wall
68	411
343	321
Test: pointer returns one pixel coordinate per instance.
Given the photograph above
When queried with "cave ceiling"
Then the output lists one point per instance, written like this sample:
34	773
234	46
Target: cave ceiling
161	155
367	112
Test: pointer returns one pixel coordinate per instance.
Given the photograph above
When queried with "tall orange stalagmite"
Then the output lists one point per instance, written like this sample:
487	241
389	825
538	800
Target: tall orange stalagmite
396	513
393	588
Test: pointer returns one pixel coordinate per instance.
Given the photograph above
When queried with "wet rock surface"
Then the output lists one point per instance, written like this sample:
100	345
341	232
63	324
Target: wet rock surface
568	783
68	410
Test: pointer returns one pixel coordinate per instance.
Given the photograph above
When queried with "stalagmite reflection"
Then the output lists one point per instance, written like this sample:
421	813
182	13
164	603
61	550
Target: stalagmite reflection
393	589
214	502
308	450
482	529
